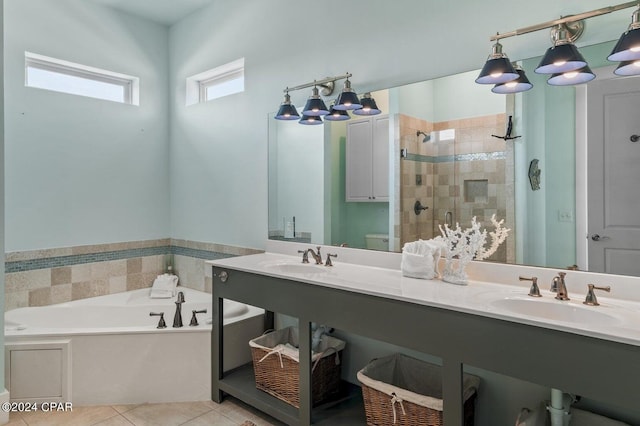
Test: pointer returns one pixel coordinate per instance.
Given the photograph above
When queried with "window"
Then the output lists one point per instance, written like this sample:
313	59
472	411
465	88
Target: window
43	72
215	83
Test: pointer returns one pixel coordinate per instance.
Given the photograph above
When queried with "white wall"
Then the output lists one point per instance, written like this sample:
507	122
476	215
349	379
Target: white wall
81	170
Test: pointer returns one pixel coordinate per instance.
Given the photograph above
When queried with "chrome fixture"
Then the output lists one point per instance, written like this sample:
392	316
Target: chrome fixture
560	287
534	291
194	320
591	298
316	107
497	69
563	57
328	261
418	207
628	46
369	106
570	78
347	99
427	137
520	84
316	256
177	318
310	120
287	111
161	323
337	114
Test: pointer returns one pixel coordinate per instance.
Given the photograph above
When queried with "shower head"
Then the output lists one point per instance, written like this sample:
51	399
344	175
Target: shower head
427	137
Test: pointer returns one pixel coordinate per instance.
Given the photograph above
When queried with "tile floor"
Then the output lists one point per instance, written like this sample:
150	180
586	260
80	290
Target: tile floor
231	412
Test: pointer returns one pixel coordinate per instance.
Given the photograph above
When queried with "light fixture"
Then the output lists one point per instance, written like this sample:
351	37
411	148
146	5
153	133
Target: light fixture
563	56
571	78
347	99
628	68
315	105
497	69
310	120
337	115
369	106
563	60
520	84
628	46
287	110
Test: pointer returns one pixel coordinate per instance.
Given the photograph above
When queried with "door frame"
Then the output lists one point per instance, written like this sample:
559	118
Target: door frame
582	224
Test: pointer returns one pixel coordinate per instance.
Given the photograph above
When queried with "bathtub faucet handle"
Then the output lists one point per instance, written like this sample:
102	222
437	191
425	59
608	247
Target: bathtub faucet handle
194	320
161	323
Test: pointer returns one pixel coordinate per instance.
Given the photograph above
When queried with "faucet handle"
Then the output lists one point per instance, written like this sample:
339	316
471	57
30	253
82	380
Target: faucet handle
161	323
534	291
305	256
328	261
591	298
194	320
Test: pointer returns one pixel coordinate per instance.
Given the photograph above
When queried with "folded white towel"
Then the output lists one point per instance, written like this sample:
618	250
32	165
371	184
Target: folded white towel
164	286
420	259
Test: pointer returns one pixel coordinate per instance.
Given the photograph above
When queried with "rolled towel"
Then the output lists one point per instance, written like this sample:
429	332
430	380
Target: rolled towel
420	259
164	286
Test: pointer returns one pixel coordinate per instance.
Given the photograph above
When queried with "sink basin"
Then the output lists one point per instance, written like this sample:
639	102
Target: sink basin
555	310
296	268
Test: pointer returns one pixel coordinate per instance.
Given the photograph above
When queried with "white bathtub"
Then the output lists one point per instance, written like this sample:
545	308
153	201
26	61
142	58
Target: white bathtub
107	349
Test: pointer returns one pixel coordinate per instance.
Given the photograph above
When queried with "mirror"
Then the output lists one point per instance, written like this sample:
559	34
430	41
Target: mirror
443	155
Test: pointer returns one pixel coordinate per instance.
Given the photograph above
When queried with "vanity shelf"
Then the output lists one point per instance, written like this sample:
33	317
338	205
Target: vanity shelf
537	354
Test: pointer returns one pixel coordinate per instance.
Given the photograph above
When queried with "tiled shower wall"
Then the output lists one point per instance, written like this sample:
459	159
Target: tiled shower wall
470	176
44	277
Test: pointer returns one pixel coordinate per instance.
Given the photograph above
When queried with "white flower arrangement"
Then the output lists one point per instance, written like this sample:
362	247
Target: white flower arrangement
468	245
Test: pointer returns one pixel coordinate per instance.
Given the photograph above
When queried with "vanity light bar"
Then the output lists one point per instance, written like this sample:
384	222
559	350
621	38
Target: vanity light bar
563	61
315	108
565	20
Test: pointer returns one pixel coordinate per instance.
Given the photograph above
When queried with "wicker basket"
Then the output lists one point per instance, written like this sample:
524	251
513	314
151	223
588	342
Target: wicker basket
400	390
278	372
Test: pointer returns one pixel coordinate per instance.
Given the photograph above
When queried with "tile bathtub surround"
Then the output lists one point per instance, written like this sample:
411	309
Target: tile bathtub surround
44	277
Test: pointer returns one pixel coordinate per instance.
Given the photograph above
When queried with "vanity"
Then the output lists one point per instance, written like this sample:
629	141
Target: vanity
491	324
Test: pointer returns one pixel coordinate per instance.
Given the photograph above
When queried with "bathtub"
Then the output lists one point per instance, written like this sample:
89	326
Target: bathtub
108	350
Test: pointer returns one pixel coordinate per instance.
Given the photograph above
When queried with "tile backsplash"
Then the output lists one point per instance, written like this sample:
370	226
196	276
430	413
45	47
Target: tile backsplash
44	277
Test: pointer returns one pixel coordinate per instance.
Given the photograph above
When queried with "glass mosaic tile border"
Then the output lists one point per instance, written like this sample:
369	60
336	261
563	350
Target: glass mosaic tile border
480	156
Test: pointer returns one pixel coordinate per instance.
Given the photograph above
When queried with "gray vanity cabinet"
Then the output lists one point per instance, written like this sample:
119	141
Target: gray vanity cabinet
595	368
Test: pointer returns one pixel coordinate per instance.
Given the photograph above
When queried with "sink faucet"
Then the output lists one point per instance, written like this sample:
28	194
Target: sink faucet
560	286
316	256
177	318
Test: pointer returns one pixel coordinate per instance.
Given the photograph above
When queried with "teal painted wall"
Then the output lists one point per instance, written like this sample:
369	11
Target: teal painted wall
2	191
82	170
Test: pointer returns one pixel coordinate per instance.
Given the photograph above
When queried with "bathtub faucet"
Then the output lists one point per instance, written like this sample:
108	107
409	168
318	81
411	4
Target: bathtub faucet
177	318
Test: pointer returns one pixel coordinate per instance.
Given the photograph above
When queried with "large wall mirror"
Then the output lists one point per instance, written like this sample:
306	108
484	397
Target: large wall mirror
447	163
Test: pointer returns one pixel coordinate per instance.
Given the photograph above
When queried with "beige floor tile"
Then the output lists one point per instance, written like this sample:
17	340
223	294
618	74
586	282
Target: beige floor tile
166	414
213	417
240	412
15	419
80	416
115	421
123	408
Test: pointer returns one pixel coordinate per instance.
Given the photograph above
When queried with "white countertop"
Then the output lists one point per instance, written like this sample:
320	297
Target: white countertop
615	320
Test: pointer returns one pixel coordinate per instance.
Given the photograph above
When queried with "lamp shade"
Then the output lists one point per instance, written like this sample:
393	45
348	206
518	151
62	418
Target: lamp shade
628	46
310	120
628	68
337	115
369	106
498	68
315	105
571	78
520	84
347	99
287	111
561	58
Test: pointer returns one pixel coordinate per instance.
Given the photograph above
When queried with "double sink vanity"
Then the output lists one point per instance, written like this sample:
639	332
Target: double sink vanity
491	324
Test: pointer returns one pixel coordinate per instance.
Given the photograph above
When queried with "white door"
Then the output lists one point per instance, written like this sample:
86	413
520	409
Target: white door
358	161
613	176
